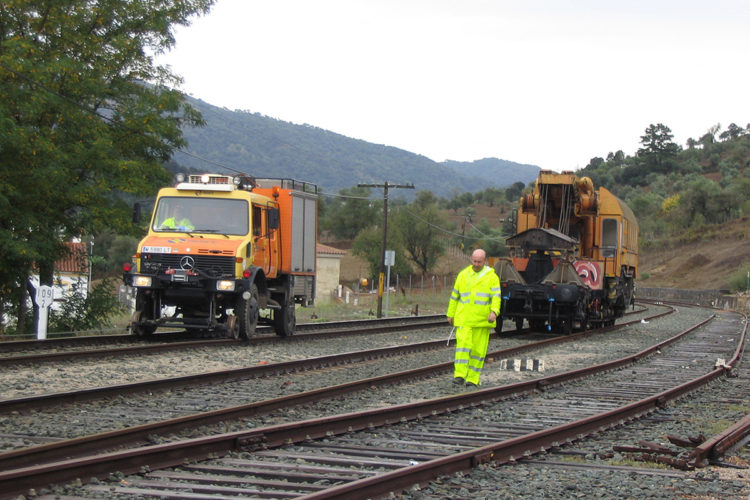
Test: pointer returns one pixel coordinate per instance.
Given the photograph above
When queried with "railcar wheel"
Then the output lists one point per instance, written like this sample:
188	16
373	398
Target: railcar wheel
137	328
247	310
536	325
144	310
233	327
498	325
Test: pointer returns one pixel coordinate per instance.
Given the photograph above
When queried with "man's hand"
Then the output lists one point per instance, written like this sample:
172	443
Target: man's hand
450	321
492	317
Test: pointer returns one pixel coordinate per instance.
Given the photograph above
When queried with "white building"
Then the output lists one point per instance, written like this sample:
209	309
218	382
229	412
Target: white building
328	272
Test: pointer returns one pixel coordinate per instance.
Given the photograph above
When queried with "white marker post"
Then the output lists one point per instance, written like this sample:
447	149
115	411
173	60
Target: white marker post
390	260
44	299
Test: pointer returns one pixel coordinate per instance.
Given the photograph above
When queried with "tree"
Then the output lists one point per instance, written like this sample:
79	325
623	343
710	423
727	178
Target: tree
514	191
368	245
351	212
658	150
733	131
85	115
418	226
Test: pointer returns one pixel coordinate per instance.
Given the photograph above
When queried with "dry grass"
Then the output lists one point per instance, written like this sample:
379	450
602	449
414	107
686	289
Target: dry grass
365	305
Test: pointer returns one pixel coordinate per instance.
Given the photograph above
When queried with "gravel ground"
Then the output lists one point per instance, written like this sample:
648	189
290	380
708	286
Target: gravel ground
516	481
71	421
704	412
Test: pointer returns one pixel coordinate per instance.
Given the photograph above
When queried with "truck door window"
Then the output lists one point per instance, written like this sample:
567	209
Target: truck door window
257	221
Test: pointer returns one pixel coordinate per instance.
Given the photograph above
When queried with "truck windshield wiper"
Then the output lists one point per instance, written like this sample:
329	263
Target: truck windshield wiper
213	231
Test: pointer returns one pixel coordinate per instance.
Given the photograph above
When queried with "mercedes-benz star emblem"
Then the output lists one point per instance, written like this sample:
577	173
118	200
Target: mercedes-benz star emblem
187	263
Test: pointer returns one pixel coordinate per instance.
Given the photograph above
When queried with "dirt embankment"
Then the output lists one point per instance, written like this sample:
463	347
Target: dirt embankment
706	260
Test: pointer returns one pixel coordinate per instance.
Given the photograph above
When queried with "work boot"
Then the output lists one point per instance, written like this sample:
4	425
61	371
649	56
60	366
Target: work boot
471	384
458	380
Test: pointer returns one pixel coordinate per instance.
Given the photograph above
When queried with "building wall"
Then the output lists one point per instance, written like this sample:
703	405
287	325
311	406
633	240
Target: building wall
328	270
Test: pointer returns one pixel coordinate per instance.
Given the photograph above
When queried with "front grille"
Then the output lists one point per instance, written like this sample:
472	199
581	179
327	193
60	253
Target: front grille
208	265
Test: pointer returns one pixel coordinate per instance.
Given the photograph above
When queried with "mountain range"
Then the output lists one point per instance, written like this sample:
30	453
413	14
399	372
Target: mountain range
261	146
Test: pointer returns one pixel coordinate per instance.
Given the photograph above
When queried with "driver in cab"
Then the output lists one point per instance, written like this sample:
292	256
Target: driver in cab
179	221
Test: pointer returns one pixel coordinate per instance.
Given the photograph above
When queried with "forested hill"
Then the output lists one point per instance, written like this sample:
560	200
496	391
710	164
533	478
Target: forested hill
266	147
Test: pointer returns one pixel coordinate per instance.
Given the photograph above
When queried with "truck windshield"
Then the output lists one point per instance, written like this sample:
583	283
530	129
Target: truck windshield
201	215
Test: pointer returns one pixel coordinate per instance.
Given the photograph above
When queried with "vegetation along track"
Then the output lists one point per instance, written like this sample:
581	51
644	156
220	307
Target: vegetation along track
425	387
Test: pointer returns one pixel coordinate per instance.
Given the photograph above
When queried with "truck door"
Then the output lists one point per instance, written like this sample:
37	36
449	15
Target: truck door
265	254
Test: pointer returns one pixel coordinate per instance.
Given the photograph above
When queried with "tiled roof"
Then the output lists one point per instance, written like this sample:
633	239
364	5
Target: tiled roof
325	249
76	261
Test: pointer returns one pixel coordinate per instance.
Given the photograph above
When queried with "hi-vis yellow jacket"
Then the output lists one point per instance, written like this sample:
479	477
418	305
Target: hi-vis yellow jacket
474	296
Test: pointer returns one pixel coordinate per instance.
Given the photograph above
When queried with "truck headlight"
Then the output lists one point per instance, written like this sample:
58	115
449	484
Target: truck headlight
225	285
142	281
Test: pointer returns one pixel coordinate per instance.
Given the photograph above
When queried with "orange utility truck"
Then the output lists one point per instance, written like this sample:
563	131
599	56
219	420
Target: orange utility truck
224	253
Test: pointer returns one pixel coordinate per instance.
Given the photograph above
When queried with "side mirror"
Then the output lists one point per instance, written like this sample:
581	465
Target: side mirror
274	219
136	212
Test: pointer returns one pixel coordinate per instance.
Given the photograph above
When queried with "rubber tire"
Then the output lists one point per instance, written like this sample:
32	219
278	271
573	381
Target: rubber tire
247	312
285	320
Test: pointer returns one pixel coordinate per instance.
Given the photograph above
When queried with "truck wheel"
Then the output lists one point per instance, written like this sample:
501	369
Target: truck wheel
284	320
247	311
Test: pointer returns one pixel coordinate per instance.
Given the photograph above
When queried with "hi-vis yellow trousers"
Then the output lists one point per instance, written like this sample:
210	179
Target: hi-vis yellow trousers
471	348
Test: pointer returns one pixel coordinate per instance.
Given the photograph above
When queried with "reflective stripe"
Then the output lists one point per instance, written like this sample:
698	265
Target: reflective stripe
484	271
463	349
475	369
461	362
478	358
482	302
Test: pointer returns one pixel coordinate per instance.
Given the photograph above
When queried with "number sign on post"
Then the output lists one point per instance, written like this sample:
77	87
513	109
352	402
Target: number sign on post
45	295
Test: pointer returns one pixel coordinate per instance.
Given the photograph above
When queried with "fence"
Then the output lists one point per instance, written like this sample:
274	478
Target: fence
711	298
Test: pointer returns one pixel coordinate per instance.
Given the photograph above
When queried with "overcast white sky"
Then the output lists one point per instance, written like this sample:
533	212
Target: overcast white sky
548	82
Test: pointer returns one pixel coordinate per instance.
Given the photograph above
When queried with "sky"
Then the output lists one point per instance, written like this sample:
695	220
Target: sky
551	83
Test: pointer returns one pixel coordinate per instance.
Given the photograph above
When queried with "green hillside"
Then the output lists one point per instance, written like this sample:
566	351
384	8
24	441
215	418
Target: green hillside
267	147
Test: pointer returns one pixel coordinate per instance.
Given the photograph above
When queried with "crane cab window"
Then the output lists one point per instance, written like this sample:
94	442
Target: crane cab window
609	238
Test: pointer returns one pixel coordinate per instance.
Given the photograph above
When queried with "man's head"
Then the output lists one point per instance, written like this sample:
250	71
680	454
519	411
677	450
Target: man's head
478	258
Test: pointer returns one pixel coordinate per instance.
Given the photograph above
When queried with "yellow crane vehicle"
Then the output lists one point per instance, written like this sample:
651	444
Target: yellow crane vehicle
573	259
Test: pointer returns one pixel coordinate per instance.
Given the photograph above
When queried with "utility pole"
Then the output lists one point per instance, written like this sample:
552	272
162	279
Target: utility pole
385	234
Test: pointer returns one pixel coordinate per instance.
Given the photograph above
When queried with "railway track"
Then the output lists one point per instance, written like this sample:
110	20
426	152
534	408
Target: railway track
70	348
218	394
464	400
